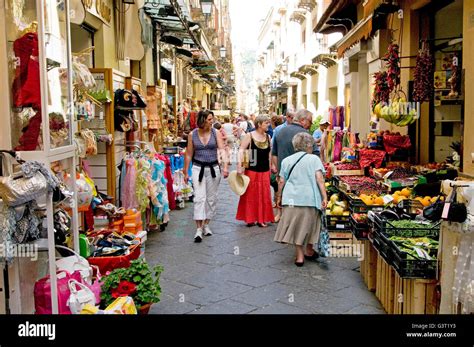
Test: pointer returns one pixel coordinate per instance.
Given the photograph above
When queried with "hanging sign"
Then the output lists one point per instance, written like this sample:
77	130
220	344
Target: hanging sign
101	9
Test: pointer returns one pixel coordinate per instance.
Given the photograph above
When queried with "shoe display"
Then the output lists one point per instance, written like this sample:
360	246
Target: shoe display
198	236
207	230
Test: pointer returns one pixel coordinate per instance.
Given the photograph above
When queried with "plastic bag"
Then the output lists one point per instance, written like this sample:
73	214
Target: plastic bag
122	305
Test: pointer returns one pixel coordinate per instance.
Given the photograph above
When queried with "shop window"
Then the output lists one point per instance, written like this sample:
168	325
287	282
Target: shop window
82	37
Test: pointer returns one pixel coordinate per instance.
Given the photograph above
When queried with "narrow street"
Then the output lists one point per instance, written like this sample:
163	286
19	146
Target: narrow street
241	270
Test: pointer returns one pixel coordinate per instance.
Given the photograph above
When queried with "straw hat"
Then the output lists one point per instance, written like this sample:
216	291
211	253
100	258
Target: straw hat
238	183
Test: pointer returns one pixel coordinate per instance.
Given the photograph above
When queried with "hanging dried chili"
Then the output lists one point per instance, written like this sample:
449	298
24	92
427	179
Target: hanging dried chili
423	76
381	90
393	66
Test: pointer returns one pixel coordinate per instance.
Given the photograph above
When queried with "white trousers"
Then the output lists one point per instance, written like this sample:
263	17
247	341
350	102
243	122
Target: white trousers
205	192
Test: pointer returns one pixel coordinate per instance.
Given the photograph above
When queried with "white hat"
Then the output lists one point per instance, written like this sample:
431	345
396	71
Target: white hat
238	183
324	120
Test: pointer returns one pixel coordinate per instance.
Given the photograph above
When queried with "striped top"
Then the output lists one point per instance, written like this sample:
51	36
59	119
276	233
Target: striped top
205	153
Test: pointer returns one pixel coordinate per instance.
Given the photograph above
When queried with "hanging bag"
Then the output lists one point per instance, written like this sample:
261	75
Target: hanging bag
457	212
324	240
75	263
434	211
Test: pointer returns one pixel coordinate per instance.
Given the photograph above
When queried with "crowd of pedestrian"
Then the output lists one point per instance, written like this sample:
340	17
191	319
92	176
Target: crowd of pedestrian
274	152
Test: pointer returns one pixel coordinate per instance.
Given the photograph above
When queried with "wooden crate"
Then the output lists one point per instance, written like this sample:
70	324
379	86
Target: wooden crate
344	244
385	284
368	265
415	296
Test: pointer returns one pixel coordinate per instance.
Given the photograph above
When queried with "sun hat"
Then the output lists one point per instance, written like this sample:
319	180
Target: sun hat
238	183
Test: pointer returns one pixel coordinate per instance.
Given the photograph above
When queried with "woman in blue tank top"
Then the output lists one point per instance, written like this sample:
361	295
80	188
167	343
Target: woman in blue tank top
206	149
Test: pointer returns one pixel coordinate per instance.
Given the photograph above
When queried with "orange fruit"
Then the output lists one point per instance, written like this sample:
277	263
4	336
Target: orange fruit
426	202
405	192
379	201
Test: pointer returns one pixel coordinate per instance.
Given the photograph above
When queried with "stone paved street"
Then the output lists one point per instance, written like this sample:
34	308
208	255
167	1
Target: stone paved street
241	270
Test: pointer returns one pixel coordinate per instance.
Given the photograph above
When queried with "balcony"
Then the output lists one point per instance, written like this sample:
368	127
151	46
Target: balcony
298	16
326	60
309	69
308	5
298	75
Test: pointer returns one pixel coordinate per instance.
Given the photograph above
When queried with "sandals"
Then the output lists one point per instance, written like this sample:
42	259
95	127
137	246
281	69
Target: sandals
262	225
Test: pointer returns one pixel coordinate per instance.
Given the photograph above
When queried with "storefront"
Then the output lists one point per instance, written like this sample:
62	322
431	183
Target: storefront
405	73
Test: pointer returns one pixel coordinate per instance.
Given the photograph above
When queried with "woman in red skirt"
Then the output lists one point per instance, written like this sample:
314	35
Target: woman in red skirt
255	206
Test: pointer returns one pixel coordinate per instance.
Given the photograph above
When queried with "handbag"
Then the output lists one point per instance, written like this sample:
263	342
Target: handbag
79	298
42	293
75	263
434	211
17	189
324	240
457	211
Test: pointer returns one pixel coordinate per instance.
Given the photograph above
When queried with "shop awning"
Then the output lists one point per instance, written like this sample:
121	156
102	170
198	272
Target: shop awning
173	19
326	60
362	31
340	15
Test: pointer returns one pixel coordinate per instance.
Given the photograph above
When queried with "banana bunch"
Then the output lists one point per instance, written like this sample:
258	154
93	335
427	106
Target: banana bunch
396	112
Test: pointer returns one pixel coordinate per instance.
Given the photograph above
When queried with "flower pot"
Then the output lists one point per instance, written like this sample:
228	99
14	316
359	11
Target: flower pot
145	309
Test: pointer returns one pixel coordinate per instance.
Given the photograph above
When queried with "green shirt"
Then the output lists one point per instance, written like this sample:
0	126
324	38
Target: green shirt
302	188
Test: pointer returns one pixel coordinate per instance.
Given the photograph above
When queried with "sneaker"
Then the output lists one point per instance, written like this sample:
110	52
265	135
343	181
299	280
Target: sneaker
198	236
207	230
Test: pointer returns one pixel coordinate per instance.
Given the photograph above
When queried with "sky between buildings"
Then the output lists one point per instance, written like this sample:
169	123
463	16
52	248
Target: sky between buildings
246	18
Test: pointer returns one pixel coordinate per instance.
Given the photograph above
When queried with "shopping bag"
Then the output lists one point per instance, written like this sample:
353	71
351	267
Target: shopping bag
42	293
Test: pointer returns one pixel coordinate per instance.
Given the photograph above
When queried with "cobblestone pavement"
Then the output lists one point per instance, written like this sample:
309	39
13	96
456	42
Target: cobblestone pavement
242	270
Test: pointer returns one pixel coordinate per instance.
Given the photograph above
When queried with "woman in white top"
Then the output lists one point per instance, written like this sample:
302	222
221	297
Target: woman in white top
230	131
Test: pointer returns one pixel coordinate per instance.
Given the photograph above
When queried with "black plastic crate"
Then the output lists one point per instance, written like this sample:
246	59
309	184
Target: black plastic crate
410	206
386	227
381	245
413	268
360	230
338	223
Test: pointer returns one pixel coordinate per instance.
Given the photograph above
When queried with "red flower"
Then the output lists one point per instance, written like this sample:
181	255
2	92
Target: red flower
124	288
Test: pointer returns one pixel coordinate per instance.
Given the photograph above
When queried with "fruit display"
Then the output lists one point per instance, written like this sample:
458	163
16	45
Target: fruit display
347	166
400	172
361	218
337	206
427	200
397	112
361	184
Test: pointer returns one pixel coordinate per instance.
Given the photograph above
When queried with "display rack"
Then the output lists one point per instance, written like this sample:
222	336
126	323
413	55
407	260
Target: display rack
49	23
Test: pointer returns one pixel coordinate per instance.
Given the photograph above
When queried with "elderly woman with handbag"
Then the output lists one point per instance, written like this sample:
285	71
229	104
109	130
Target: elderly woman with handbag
303	197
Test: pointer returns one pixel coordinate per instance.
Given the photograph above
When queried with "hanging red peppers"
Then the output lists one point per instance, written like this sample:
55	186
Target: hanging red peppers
423	76
381	90
393	66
